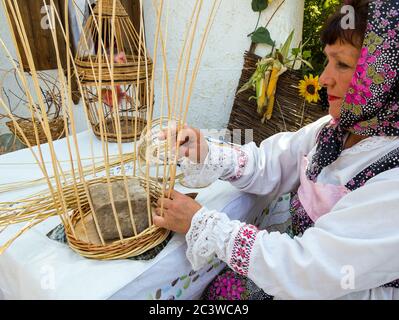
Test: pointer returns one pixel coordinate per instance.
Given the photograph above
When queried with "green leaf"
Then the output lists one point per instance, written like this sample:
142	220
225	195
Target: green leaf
178	293
307	63
371	72
357	110
306	54
285	49
296	51
262	35
259	5
372	48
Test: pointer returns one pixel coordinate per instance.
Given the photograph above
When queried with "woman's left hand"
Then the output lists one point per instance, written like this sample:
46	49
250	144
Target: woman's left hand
177	212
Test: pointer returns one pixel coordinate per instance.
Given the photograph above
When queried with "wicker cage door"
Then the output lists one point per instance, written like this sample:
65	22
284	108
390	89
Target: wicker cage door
290	113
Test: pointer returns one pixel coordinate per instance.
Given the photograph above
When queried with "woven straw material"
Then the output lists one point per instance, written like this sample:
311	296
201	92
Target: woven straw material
128	129
89	70
57	128
112	63
156	154
290	112
107	8
117	249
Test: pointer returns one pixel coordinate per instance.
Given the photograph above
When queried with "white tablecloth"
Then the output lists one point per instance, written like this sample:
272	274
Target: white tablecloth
35	267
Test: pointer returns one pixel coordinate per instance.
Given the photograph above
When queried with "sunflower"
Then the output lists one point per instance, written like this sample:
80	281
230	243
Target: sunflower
309	88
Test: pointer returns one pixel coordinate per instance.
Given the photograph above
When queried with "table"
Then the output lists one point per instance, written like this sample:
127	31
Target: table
35	267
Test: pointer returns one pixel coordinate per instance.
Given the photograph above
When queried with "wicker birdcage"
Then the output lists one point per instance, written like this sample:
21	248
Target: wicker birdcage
114	70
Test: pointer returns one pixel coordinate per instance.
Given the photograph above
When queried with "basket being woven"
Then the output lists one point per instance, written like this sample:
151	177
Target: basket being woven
290	111
116	249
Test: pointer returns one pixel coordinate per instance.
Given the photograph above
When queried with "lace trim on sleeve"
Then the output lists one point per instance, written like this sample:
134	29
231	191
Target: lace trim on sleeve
211	234
231	158
224	161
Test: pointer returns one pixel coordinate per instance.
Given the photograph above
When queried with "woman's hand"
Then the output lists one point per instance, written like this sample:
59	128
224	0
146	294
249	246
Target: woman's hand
177	212
191	141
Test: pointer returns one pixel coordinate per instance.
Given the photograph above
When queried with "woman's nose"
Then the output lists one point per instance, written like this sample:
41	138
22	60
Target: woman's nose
325	79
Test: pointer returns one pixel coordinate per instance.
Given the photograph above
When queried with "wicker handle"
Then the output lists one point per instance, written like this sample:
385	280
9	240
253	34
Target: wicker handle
253	46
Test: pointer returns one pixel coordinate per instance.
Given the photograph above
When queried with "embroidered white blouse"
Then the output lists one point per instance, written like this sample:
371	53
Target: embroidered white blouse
349	250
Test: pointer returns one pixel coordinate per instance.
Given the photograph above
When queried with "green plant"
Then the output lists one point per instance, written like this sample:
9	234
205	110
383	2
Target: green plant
268	70
262	34
315	14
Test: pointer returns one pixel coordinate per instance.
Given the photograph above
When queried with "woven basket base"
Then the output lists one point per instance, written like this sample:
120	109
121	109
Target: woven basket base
57	130
112	250
91	246
127	129
92	234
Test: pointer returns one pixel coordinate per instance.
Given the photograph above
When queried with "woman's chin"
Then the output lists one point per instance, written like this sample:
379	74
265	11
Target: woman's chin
335	108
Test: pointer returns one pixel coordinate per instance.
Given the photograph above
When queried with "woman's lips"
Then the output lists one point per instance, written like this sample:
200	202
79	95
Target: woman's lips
333	98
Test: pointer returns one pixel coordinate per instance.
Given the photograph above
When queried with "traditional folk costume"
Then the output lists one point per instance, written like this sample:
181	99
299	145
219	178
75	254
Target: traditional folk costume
343	204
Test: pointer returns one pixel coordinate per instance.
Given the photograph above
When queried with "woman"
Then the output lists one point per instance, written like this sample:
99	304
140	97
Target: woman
342	173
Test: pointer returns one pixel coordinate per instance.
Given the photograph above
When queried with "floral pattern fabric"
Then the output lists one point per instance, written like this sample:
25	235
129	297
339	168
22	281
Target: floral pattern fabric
371	105
232	286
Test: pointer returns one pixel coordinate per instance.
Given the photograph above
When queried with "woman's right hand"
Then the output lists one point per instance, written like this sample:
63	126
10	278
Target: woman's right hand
191	141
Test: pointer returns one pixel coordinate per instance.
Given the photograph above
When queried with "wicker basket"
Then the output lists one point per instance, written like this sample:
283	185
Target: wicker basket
57	128
92	247
290	112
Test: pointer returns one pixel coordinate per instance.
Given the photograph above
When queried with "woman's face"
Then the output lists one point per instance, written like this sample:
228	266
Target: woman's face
337	75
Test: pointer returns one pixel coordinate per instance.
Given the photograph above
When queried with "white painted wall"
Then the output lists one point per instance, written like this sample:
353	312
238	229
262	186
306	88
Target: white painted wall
223	59
221	67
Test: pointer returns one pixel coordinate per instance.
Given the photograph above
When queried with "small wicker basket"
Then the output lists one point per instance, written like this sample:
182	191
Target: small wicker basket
57	129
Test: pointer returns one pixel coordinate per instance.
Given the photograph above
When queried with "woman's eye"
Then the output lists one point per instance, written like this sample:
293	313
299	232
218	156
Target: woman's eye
342	65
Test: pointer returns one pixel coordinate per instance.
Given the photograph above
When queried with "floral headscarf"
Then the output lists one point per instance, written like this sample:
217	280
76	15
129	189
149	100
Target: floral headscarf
371	105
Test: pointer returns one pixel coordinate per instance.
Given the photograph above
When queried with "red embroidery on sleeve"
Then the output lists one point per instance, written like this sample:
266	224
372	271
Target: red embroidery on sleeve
242	249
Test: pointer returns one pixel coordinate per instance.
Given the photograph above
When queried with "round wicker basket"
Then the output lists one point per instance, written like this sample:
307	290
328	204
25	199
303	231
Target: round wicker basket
57	129
92	247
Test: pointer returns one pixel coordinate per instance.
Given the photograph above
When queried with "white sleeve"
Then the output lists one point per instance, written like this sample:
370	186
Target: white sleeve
271	169
350	249
274	168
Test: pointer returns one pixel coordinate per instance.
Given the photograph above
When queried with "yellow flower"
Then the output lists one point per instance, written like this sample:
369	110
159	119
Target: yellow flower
309	88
